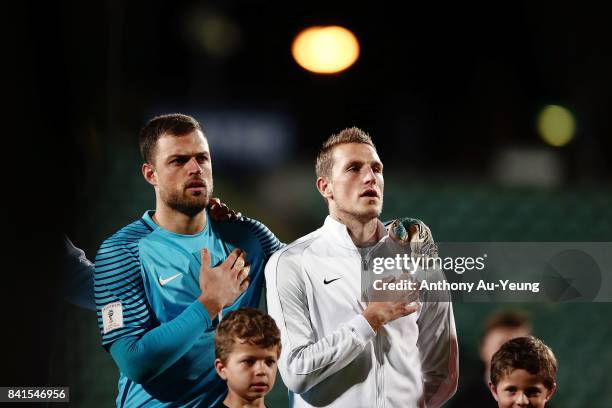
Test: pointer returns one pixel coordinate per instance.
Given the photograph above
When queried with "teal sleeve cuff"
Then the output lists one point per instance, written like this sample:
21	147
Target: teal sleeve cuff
202	312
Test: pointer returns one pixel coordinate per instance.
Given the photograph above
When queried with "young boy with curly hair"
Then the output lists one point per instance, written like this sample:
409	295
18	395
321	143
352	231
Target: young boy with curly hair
247	348
523	373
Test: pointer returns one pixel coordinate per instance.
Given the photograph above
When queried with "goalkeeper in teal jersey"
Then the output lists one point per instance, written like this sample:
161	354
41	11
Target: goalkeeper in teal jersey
162	282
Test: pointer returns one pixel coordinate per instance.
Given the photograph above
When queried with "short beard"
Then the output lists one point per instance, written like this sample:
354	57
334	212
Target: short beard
361	216
188	206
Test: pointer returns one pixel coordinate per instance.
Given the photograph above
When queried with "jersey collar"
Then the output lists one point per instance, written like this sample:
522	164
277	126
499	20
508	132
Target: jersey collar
147	218
338	233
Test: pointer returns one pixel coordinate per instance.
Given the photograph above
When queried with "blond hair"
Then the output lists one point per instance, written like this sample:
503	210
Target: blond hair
325	161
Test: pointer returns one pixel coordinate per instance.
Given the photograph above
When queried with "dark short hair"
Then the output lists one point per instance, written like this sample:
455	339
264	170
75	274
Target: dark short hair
174	124
246	325
510	318
527	353
325	161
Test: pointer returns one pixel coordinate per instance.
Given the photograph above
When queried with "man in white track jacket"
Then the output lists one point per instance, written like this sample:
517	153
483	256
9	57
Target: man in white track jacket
337	350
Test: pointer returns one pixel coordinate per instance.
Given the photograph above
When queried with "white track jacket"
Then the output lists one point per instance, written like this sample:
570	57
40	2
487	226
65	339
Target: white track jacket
330	355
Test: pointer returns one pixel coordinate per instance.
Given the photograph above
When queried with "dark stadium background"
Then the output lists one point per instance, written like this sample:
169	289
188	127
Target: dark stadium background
447	91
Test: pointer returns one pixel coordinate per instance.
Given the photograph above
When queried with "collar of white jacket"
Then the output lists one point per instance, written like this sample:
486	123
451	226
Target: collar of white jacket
338	233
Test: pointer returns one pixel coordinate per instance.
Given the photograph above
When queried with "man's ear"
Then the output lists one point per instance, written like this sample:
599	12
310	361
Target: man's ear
149	173
325	188
550	392
493	390
220	367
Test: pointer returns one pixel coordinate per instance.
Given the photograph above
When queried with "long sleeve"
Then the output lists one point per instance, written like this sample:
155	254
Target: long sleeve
143	358
438	346
306	358
141	347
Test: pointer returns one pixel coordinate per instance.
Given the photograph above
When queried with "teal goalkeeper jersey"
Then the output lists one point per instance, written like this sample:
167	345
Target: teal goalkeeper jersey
146	276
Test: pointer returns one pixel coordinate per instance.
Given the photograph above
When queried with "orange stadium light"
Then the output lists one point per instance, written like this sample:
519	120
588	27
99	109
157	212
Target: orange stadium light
325	49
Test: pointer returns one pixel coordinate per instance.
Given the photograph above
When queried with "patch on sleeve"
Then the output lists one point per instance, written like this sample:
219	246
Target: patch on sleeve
112	316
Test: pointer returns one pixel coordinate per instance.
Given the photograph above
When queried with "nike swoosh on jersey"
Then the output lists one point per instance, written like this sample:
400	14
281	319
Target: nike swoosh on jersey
325	281
163	281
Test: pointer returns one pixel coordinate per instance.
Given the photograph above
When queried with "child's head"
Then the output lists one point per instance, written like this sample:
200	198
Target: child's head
247	347
523	373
